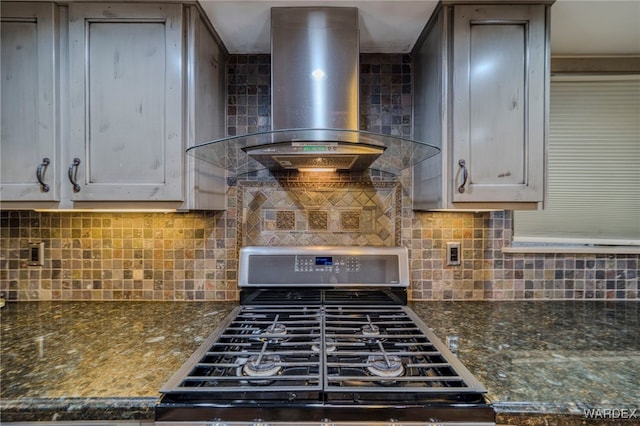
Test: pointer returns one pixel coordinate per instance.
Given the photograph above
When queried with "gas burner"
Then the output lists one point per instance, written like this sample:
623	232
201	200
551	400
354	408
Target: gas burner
370	330
329	345
276	329
262	366
370	334
276	332
385	365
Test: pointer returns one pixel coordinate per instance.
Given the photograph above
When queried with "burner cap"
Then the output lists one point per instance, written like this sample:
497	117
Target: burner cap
370	330
267	365
329	345
275	332
276	329
389	366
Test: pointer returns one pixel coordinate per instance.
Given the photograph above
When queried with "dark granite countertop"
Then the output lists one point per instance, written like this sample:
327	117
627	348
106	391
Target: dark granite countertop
96	360
555	358
107	360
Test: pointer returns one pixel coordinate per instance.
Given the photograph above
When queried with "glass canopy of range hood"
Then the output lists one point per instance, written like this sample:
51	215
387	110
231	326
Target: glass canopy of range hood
231	153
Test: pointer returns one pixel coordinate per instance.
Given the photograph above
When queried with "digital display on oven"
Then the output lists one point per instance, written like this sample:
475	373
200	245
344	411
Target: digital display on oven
324	261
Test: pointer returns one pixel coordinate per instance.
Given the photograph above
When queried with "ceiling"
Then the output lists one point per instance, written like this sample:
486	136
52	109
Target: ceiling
578	27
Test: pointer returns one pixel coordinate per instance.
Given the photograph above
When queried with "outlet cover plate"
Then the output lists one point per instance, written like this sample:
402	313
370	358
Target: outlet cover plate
454	254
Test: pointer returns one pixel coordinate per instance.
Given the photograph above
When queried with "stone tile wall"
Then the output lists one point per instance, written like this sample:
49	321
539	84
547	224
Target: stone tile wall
116	256
193	256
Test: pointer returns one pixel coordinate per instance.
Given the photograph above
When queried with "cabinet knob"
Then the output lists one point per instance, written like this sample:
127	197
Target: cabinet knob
465	175
73	174
40	171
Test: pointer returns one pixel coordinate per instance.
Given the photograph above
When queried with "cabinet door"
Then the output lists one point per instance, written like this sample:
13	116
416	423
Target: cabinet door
28	140
499	92
126	101
206	111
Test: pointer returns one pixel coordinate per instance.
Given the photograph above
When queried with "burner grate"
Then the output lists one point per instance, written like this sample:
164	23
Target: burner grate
317	359
375	350
258	348
368	341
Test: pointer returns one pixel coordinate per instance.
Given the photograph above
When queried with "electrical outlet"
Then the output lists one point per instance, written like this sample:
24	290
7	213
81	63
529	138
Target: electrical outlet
454	255
36	254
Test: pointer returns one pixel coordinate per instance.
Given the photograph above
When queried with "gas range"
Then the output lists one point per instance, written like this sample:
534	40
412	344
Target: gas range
323	335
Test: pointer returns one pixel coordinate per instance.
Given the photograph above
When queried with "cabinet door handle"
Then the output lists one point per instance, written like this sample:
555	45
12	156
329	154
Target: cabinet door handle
465	175
73	174
42	168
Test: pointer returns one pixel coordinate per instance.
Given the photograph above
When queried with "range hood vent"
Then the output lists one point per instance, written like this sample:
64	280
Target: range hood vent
314	104
309	156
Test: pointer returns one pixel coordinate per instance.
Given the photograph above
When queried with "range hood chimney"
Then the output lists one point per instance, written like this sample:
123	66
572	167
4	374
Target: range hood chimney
315	71
315	67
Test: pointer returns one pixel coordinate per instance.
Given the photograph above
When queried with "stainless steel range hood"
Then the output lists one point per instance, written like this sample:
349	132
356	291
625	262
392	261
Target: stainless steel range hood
314	104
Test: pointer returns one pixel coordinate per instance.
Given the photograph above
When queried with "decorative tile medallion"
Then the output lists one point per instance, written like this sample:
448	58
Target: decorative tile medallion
285	220
318	220
350	220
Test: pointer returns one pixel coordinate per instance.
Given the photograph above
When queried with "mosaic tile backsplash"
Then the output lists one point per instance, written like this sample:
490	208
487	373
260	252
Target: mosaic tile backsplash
193	255
116	256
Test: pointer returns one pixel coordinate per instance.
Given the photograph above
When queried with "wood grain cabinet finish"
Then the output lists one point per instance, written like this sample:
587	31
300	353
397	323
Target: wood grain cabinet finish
483	71
137	84
29	133
126	101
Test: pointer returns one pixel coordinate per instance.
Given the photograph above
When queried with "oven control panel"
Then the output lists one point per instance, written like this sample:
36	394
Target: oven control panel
323	266
327	264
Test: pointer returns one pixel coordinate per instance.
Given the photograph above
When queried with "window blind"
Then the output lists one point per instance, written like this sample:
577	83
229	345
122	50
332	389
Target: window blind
593	180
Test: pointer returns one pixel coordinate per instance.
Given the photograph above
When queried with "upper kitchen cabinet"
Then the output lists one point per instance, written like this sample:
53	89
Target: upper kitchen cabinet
139	83
28	151
481	94
126	101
